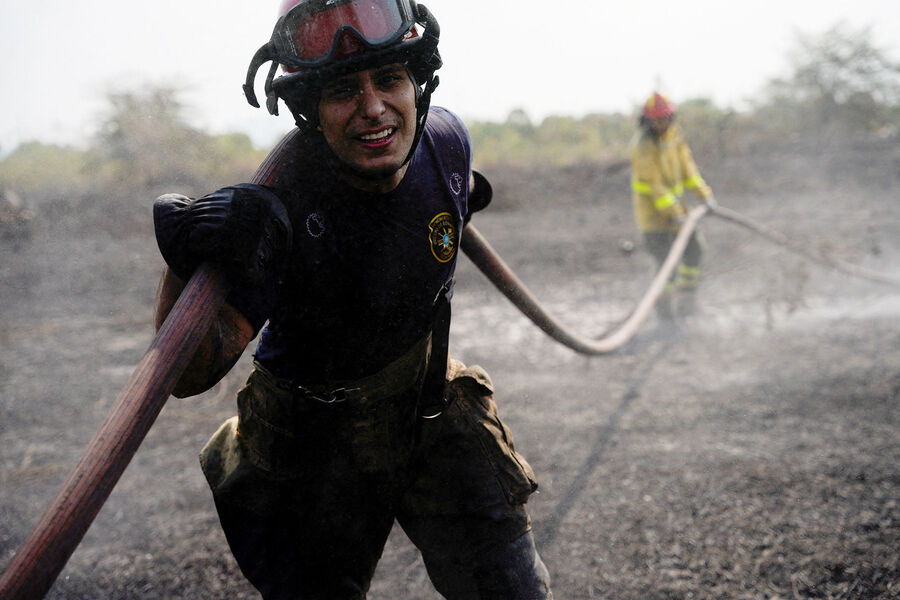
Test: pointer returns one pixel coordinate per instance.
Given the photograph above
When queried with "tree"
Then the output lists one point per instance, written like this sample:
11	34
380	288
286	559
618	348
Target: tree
37	170
840	78
145	140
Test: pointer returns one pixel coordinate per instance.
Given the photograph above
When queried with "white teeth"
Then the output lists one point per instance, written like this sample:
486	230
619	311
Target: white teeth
372	137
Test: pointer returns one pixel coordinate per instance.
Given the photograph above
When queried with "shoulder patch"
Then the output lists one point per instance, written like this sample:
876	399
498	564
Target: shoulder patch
442	237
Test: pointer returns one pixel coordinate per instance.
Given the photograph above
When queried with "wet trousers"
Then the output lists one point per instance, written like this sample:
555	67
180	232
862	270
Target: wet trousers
308	492
658	244
686	276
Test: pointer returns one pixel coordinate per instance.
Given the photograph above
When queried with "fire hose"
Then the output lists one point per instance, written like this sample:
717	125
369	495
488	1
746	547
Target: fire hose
490	263
783	240
38	562
42	556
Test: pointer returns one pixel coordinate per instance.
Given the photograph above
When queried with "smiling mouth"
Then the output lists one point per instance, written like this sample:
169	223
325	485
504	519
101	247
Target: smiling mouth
378	138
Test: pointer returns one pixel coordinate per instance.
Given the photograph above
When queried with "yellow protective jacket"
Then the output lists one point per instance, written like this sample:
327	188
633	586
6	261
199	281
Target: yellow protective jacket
661	169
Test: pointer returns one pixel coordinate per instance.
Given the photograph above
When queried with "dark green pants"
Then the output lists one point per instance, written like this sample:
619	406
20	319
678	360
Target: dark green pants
686	276
307	492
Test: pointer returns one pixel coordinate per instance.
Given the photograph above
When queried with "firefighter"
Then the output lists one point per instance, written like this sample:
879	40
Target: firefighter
343	253
662	169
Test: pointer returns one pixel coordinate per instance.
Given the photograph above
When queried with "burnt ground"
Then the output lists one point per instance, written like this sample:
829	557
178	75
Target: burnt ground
752	452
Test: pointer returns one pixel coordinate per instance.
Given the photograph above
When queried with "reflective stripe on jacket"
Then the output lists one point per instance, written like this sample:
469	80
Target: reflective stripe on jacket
661	169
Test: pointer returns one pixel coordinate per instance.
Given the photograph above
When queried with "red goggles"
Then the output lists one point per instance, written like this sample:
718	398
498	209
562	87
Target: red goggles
310	33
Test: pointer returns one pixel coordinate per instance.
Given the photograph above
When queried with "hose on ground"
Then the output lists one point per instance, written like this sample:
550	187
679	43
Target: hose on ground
498	272
782	240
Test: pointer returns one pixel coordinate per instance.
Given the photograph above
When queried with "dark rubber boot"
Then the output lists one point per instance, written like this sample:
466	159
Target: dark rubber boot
664	309
513	572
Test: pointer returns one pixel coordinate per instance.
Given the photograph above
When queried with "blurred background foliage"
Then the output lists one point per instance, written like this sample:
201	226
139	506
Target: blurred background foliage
837	85
143	143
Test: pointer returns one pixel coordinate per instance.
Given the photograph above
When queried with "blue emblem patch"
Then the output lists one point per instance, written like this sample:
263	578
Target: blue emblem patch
443	237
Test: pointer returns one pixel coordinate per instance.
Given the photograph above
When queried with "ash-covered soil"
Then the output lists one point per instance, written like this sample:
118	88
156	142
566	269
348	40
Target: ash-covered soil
750	452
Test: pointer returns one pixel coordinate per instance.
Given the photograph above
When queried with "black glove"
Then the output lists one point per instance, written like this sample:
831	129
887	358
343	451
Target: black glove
242	229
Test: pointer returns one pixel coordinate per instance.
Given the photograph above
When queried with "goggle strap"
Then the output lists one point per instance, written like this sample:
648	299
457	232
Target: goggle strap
271	97
431	29
263	55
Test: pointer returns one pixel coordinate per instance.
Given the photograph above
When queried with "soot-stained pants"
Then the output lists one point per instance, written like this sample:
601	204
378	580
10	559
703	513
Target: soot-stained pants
308	492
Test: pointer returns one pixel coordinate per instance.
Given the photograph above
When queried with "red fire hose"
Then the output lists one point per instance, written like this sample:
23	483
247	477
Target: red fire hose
37	563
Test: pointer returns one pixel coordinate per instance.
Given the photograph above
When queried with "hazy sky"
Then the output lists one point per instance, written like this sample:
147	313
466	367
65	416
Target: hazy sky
58	59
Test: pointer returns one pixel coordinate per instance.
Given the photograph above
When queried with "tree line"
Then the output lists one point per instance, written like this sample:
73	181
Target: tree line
839	82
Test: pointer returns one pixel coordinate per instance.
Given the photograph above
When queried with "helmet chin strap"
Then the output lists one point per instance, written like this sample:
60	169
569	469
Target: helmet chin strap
423	103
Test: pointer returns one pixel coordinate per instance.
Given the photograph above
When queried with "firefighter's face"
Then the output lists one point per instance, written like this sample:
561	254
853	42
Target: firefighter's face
368	119
660	125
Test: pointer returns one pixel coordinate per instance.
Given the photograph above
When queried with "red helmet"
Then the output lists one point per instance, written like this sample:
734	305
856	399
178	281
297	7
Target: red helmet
314	40
318	33
658	106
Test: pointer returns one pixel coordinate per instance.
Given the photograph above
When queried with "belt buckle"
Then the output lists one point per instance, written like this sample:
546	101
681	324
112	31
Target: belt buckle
335	396
339	395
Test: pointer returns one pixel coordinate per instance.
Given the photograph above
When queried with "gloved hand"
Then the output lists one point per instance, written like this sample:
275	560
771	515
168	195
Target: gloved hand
677	213
711	202
241	228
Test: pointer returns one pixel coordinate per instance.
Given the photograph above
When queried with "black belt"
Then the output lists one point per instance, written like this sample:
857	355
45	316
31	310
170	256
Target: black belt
399	376
424	363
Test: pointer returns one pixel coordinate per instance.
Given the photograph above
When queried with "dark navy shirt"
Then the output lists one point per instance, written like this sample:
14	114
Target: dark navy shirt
365	269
